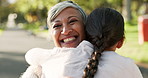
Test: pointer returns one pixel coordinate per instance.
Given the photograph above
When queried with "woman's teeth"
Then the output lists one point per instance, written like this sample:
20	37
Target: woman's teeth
69	39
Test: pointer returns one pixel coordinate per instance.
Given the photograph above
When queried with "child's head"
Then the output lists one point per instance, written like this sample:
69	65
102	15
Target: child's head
104	29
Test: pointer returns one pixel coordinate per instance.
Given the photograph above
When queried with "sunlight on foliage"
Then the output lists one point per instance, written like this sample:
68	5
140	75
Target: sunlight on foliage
131	47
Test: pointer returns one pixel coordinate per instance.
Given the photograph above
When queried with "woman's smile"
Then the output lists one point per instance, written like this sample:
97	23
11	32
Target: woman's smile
70	39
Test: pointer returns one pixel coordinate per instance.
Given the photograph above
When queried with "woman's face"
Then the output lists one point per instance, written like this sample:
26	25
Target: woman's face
67	29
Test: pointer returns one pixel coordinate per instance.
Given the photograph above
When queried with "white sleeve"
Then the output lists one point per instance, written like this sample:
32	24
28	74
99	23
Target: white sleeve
68	62
35	57
133	69
78	59
32	72
136	72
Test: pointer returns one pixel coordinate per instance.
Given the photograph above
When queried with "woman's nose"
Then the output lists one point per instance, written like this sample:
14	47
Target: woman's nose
66	30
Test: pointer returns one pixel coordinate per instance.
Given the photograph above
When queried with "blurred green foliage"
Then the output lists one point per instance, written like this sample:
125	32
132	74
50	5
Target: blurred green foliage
32	26
131	47
36	10
5	9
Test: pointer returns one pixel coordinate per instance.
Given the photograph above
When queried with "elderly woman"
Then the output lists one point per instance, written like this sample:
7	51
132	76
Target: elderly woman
66	23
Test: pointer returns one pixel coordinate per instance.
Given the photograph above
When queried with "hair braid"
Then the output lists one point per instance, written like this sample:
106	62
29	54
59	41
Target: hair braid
98	41
92	65
103	32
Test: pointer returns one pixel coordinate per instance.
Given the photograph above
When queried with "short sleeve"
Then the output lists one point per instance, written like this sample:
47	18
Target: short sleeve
37	56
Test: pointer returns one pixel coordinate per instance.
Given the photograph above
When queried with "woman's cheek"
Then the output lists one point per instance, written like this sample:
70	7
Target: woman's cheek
55	36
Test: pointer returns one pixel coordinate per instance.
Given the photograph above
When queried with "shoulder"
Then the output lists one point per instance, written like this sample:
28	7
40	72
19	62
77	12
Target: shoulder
113	57
36	56
117	60
115	65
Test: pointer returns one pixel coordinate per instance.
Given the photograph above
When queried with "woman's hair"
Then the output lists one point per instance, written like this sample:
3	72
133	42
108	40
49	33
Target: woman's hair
55	10
104	28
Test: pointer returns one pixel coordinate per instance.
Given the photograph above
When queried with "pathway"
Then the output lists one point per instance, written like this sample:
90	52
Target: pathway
13	46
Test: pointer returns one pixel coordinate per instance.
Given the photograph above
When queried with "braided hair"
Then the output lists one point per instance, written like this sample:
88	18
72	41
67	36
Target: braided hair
104	28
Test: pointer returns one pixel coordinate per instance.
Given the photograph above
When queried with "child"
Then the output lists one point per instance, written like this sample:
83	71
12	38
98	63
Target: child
105	30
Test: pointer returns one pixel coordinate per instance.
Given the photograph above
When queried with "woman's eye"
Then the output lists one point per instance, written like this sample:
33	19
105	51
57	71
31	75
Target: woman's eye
56	26
72	21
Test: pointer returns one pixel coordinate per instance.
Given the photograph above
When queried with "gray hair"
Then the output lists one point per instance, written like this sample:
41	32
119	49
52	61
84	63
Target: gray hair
55	10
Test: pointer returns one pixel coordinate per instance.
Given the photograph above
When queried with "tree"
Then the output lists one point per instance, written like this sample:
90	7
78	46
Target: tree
5	9
126	10
34	10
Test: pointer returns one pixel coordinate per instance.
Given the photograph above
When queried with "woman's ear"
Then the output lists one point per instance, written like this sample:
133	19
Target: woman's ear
120	43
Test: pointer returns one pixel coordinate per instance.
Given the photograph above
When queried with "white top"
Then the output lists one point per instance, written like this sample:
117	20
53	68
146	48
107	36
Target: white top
71	62
113	65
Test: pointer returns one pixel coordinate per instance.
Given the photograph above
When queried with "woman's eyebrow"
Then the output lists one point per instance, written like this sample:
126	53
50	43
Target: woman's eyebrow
56	21
72	16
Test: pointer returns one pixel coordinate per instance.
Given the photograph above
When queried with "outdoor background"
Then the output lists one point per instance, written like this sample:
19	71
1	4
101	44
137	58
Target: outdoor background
23	26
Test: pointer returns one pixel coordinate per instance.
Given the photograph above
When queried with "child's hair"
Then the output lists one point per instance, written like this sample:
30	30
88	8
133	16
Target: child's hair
104	28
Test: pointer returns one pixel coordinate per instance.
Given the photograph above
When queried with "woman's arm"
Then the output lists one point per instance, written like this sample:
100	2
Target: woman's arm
32	72
35	57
